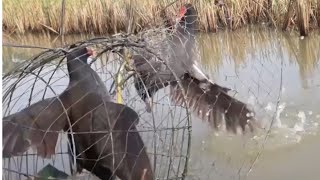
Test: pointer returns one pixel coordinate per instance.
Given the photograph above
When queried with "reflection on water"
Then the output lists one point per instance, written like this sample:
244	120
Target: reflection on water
12	56
278	74
249	44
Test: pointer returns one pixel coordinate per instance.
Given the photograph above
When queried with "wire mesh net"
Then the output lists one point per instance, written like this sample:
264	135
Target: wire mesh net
165	131
133	68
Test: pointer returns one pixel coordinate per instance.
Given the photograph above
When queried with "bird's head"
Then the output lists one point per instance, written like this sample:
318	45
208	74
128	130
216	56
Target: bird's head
81	53
187	15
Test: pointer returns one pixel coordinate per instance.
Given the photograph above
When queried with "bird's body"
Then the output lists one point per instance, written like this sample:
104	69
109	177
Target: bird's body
121	151
104	153
84	82
87	106
208	100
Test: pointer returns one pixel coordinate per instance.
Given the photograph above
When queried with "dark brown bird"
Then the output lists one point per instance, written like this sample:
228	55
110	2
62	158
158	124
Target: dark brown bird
123	151
84	82
89	109
208	100
28	128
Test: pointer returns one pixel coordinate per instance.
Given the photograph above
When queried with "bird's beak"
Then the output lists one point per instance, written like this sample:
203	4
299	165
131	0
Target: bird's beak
92	55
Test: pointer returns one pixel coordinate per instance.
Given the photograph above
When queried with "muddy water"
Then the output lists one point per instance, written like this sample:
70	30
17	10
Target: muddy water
269	69
277	74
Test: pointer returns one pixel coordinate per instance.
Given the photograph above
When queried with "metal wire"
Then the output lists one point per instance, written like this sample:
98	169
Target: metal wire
170	150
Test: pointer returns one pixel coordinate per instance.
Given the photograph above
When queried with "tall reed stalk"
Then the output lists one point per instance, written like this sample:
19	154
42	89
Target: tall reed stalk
111	16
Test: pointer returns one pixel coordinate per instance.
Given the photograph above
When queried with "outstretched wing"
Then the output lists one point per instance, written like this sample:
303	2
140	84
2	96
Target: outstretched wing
214	105
36	126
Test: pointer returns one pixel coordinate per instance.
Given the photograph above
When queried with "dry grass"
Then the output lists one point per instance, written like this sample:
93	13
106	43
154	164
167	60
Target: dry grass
111	16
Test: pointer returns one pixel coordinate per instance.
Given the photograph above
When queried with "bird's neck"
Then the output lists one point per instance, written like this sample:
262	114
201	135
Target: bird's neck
76	69
188	26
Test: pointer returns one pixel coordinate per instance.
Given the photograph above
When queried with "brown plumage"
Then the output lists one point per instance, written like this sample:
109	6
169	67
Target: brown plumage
95	112
31	124
213	106
89	109
28	128
124	146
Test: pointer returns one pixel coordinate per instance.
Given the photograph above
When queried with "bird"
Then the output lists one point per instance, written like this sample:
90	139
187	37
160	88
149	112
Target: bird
83	81
208	100
28	127
96	112
83	108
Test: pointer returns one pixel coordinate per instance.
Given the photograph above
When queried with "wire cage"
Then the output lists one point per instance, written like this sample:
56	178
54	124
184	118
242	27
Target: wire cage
165	131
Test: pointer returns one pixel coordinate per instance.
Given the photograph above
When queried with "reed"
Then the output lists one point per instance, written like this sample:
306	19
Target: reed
112	16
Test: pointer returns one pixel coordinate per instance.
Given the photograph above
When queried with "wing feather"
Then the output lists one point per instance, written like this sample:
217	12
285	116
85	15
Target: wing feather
214	106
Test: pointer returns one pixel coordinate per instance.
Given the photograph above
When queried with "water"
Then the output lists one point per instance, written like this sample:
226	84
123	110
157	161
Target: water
278	74
266	68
